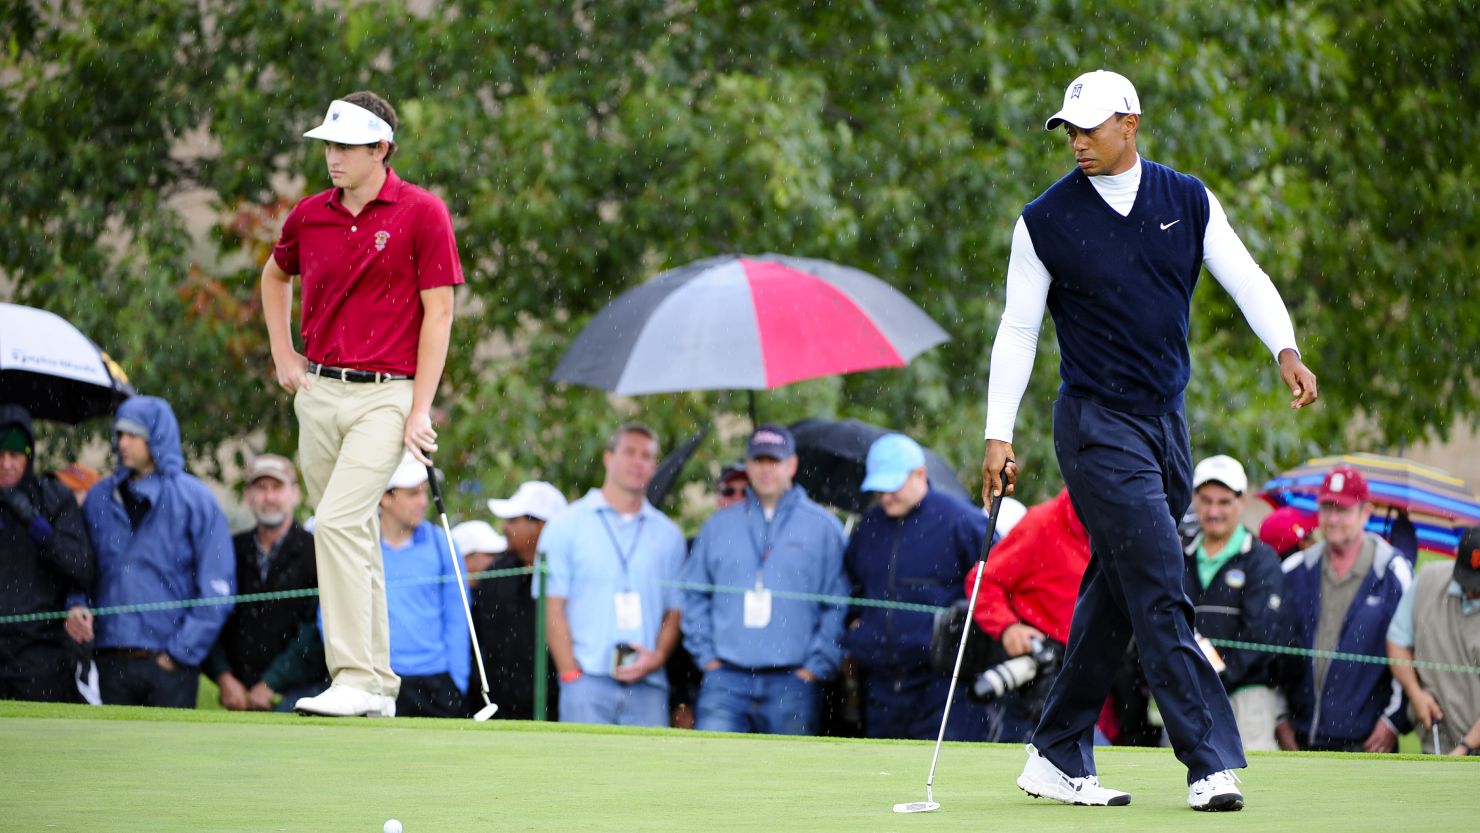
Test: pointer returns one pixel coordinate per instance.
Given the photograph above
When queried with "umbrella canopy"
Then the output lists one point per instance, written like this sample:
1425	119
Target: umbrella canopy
671	467
1436	502
746	322
831	455
53	370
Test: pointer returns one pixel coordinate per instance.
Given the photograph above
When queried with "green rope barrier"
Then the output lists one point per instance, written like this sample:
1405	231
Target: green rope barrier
252	598
244	598
1343	655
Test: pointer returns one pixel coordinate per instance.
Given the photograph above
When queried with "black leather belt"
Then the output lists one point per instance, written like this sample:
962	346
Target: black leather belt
347	375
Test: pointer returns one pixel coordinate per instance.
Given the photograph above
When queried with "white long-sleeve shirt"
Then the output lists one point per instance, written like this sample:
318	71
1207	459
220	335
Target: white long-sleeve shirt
1224	254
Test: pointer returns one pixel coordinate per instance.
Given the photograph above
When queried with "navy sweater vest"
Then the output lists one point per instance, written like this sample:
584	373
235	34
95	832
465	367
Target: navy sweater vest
1121	287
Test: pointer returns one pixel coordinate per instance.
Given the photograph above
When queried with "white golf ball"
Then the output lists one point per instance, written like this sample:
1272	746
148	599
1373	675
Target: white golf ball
392	826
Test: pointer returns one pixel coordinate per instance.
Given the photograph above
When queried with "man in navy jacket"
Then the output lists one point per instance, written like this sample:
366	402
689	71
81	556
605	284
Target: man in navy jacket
1340	596
914	546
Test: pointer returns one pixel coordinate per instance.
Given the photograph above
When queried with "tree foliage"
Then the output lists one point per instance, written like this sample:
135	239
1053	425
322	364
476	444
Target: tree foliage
584	147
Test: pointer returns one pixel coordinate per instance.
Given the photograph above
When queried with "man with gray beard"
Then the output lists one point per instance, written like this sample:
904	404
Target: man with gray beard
248	662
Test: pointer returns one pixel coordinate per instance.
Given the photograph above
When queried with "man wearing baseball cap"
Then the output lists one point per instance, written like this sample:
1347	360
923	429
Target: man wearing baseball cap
764	651
1340	595
1236	588
504	609
378	263
1113	251
914	545
1438	622
276	555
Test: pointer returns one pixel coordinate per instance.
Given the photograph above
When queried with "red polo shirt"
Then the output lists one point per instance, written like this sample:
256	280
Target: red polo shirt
362	276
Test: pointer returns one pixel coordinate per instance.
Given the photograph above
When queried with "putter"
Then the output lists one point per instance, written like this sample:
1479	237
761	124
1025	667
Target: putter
489	707
930	804
1435	727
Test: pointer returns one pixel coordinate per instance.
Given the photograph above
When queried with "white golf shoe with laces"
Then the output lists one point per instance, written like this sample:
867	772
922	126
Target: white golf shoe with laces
1216	792
341	701
1041	779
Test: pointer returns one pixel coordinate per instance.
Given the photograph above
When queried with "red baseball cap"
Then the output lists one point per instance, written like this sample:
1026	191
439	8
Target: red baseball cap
1285	528
1343	486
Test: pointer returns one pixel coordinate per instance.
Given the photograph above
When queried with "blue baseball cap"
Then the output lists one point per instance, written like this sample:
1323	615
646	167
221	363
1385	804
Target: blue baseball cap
890	460
773	441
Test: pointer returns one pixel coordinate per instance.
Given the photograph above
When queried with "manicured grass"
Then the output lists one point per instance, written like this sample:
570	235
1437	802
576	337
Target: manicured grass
74	768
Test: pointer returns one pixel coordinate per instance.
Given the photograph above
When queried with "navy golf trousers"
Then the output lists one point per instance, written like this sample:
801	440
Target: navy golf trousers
1129	477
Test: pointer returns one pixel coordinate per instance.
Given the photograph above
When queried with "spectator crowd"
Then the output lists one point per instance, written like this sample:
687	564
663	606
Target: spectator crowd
747	627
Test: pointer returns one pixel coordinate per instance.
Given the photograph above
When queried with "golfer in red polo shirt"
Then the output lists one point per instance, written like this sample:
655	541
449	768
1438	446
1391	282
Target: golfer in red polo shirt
378	262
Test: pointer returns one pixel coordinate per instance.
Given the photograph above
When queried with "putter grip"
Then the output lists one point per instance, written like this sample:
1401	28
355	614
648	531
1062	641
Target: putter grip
437	489
992	515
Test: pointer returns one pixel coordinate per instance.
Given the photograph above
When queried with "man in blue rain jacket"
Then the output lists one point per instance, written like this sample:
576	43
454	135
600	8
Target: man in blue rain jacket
160	536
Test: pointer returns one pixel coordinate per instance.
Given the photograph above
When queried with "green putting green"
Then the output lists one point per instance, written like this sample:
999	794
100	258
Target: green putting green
76	768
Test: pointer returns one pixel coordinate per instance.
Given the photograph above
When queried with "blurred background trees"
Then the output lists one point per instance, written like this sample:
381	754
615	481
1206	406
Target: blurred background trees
152	149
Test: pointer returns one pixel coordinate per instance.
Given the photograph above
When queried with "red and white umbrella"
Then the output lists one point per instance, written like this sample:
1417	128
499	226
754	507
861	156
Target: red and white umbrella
747	322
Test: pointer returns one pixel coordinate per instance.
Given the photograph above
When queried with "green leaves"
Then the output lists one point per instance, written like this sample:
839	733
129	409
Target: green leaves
585	148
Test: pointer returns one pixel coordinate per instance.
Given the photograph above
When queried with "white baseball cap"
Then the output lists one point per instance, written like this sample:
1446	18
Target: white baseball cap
1221	469
478	536
351	124
1093	97
408	475
534	498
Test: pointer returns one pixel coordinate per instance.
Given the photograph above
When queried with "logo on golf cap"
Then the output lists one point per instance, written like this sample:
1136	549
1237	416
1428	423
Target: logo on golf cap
1075	90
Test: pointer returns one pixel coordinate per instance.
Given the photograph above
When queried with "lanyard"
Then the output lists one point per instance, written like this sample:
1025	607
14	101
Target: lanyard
763	547
624	557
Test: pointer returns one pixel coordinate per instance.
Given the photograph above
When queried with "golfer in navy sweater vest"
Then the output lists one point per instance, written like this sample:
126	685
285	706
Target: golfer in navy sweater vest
1113	250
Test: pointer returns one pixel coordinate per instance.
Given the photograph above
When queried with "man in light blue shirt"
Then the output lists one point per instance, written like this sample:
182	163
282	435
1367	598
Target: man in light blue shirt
430	647
1438	621
763	654
612	605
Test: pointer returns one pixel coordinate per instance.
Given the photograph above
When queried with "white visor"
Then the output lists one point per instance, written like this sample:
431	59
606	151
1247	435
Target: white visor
350	124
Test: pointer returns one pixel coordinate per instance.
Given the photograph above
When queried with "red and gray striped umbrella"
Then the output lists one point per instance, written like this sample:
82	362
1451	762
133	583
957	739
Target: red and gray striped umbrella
747	322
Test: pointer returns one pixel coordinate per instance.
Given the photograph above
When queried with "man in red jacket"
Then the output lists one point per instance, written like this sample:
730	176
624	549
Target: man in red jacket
1028	594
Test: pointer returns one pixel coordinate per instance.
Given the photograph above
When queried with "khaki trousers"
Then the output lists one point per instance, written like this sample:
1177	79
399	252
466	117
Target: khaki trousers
349	444
1257	709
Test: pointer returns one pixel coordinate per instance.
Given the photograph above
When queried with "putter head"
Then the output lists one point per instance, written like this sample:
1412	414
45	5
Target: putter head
917	807
486	712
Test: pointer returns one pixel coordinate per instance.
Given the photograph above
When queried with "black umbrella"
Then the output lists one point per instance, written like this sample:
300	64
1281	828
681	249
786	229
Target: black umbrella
831	459
671	467
54	371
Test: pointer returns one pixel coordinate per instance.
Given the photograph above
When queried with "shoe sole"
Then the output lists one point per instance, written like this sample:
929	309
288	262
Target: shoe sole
1222	804
307	713
1117	801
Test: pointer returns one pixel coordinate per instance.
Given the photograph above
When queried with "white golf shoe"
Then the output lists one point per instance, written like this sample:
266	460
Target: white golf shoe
1216	792
387	706
343	701
1041	779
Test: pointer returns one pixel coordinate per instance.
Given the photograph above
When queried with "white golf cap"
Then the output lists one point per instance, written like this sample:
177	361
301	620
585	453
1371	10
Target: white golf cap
1093	97
1221	469
408	475
351	124
1009	515
478	536
534	498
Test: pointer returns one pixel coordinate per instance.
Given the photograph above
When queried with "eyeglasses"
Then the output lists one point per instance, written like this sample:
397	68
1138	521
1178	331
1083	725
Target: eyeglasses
731	491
